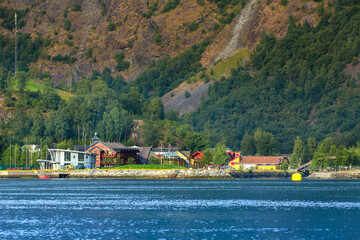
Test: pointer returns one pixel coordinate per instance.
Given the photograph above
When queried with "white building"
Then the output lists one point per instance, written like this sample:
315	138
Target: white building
60	158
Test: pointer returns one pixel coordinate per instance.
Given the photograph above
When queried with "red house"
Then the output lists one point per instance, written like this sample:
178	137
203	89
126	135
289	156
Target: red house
195	159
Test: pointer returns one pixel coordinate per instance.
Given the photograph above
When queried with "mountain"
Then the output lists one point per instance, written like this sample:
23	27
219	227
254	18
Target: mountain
92	32
230	69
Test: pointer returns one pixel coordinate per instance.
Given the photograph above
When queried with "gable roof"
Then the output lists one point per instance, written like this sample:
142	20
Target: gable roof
197	154
186	154
262	159
144	152
114	146
81	147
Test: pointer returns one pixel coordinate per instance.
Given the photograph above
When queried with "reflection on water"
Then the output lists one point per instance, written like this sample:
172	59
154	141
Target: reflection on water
178	209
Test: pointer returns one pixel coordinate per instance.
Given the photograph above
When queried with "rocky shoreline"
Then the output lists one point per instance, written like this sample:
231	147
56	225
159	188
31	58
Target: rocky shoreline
174	174
152	174
335	175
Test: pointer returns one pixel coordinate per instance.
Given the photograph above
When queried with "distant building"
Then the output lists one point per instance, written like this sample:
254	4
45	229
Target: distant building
172	156
144	155
196	159
258	162
61	158
108	153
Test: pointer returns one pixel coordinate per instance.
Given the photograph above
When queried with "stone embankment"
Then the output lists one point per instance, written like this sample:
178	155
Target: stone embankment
336	175
153	174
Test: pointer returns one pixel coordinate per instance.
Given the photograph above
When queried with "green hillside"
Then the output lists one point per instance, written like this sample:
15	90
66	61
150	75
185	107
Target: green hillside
291	86
296	86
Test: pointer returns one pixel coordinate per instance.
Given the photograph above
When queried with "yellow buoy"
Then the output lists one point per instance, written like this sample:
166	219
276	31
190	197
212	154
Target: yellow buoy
296	177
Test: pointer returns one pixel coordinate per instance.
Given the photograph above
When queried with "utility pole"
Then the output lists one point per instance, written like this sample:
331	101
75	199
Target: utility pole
41	149
162	155
26	156
15	156
10	154
16	46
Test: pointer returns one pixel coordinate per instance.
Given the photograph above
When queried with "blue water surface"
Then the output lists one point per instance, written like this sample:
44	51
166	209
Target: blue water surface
178	209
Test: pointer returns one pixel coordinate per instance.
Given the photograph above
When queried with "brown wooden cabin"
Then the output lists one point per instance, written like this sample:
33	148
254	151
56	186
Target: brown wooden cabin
109	152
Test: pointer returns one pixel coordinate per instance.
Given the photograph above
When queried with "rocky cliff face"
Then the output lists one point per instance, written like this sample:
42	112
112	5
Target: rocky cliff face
99	29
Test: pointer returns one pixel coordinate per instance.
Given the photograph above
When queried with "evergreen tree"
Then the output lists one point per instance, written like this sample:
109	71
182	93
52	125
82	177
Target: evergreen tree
220	156
248	145
154	110
208	157
311	148
265	143
298	154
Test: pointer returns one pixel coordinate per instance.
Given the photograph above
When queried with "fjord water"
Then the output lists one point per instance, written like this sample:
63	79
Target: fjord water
178	209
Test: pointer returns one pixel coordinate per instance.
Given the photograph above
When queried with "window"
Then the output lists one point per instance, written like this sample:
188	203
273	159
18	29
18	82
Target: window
81	157
67	156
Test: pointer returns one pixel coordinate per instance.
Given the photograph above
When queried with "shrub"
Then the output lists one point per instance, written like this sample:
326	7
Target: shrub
76	8
69	43
151	10
284	166
170	5
67	25
200	2
131	161
187	94
228	19
206	78
354	61
65	13
193	26
121	64
154	160
89	52
216	26
284	2
7	102
111	26
157	38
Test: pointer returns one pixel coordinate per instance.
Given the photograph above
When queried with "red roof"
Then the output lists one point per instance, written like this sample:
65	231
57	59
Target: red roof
273	160
198	155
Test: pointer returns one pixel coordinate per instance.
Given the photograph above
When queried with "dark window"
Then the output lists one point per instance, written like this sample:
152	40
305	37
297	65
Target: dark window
67	156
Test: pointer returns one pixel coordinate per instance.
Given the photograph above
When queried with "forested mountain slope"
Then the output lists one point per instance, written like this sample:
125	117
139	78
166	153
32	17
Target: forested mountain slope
293	86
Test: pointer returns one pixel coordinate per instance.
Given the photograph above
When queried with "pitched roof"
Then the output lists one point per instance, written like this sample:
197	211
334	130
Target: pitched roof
144	152
197	154
114	145
81	147
261	159
187	154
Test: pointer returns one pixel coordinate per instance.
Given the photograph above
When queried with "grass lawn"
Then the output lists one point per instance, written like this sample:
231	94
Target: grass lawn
150	167
34	87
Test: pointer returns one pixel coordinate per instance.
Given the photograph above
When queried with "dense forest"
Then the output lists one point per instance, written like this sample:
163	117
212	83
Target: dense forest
293	88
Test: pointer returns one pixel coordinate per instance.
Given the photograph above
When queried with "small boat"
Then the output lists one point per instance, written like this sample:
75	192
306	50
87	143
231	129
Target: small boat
43	177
